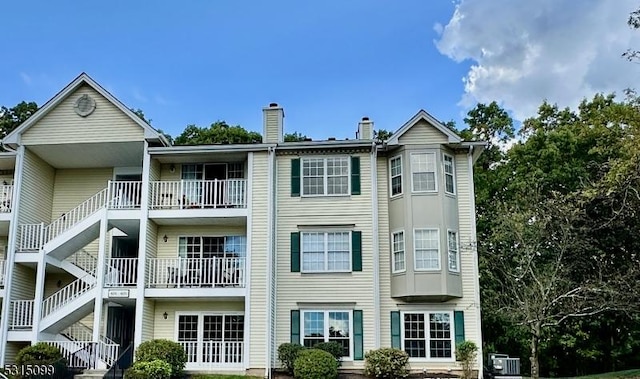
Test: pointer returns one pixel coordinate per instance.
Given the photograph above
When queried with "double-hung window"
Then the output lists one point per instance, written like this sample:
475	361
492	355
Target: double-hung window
428	335
395	169
326	251
449	175
423	172
426	245
452	249
325	176
397	242
327	326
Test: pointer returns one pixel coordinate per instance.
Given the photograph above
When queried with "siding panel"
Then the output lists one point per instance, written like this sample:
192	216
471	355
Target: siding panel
423	133
74	186
36	196
63	126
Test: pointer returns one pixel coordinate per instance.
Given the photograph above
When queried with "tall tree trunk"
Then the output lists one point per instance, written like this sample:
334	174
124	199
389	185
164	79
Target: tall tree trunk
535	339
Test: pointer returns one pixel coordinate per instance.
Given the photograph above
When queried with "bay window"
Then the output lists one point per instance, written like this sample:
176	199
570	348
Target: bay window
423	172
426	249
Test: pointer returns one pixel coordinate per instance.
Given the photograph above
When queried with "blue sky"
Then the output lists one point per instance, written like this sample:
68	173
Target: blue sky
328	63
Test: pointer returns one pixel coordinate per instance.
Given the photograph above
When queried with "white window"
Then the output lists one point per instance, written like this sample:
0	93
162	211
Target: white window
428	335
426	245
211	338
327	326
423	172
326	251
325	176
449	175
397	241
452	248
395	168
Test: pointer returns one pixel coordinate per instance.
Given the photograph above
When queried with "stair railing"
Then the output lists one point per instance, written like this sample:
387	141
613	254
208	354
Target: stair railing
68	293
77	214
84	260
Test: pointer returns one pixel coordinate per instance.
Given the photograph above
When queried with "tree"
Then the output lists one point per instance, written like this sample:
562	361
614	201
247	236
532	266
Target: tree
218	133
381	135
294	137
140	113
11	118
633	22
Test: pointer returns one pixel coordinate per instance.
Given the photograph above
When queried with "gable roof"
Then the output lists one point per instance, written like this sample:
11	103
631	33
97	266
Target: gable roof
83	79
423	115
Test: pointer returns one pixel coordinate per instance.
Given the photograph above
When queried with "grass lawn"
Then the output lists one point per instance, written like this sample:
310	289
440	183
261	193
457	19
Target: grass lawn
220	376
613	375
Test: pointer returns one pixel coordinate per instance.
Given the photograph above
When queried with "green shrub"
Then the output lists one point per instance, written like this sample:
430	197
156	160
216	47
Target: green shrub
315	364
466	353
165	350
41	354
386	363
156	369
287	354
332	348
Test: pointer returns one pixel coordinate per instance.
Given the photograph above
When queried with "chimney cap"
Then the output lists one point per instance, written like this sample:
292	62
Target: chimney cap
331	139
273	105
365	118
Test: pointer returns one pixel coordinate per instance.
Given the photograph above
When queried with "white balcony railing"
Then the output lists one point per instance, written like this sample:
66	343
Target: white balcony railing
84	260
125	195
121	272
195	272
6	194
213	352
193	194
21	314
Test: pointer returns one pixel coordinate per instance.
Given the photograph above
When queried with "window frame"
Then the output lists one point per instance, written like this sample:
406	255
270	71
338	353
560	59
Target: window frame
435	172
326	251
326	327
415	260
452	174
325	176
391	176
242	254
393	252
426	313
457	250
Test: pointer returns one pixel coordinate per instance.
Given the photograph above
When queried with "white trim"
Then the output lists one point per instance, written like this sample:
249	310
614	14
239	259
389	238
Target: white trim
453	173
326	327
457	270
475	269
325	175
326	251
391	194
427	335
404	252
247	261
376	244
142	248
126	171
435	172
423	115
415	266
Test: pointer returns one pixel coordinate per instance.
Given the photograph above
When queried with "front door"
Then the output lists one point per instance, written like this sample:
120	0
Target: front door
120	324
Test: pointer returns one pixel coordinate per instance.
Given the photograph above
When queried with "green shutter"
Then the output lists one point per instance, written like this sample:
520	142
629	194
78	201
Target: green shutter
458	326
295	326
356	251
295	177
395	329
295	252
355	175
358	343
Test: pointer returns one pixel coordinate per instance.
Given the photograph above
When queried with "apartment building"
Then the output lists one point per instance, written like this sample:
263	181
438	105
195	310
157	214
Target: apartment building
113	237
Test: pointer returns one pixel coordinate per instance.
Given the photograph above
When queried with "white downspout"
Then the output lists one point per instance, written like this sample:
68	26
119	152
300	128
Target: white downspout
142	247
474	249
376	245
270	269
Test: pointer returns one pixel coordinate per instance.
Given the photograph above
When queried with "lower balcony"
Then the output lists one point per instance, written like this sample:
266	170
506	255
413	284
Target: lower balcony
195	277
209	355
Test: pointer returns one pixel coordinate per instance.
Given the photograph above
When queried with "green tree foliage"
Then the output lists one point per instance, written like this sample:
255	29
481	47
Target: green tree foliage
11	118
381	135
294	137
218	133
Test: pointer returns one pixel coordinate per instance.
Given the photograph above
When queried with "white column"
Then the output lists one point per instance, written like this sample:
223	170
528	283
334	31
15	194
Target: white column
100	272
247	262
376	246
142	246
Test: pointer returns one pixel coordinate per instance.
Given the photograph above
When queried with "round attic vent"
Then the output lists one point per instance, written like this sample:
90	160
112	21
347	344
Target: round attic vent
85	105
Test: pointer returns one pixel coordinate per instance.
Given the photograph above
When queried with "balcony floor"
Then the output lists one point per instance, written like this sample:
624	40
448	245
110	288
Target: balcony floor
205	216
226	293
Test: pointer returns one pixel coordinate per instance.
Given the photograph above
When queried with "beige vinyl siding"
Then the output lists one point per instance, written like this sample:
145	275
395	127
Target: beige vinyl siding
354	287
6	178
423	133
36	197
167	328
73	186
272	121
259	265
23	283
152	239
155	170
51	282
11	349
63	126
169	249
148	320
166	174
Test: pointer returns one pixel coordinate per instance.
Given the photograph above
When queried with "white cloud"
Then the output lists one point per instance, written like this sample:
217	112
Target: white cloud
137	95
526	51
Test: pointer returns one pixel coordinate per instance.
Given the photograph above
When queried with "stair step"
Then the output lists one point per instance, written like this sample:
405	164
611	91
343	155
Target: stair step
91	374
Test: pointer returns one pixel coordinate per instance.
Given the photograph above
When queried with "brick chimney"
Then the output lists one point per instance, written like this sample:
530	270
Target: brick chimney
273	117
365	129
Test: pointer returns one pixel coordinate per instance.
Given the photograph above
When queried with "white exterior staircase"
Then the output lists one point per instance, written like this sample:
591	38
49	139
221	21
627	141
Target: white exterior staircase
76	345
